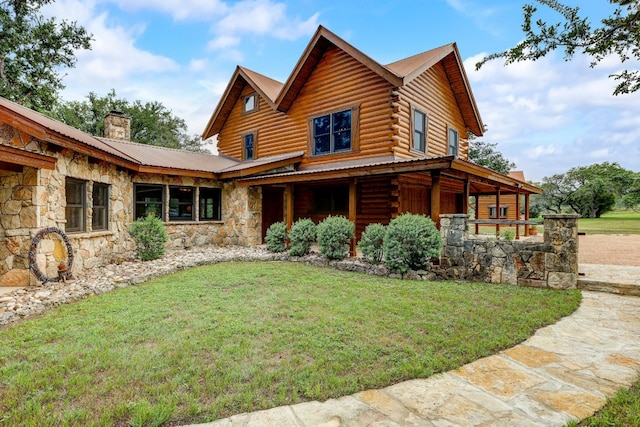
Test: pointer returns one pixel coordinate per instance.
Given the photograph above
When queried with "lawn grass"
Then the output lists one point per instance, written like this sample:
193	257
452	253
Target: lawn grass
622	410
223	339
615	222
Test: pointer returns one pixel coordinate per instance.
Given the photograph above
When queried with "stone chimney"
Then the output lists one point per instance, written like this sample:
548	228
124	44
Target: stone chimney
117	125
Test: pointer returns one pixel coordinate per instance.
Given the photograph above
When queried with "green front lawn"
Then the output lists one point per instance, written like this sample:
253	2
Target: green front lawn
228	338
616	222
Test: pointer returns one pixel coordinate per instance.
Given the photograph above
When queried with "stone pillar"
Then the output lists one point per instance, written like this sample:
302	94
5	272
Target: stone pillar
453	228
561	263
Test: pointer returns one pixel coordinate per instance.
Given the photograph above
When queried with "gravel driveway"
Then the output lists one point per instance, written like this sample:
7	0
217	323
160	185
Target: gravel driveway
614	249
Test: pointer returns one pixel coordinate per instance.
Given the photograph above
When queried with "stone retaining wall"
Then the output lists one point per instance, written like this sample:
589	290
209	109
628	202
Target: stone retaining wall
552	263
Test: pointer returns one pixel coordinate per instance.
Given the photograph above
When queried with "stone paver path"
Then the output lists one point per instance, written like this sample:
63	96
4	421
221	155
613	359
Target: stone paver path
565	371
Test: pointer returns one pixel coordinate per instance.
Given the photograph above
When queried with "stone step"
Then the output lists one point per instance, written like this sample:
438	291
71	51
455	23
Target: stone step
612	288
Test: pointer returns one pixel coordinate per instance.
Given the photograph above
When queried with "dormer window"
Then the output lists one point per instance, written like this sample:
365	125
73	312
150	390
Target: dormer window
250	103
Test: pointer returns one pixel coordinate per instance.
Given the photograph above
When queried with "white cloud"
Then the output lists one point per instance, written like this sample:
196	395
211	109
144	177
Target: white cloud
180	10
551	115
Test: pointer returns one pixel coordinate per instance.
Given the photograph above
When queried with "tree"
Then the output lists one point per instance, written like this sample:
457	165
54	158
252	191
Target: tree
587	190
33	50
151	122
618	34
485	154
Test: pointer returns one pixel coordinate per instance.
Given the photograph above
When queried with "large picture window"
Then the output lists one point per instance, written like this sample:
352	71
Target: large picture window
210	204
331	133
419	131
331	199
181	203
149	201
100	208
76	209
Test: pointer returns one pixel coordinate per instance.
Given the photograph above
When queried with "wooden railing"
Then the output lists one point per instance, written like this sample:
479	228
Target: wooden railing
508	222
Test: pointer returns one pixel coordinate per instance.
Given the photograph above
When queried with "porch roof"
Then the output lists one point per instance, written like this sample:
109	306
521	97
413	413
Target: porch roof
482	180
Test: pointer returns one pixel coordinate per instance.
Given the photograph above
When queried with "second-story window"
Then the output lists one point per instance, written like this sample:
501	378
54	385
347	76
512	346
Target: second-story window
332	132
248	146
419	131
453	142
250	103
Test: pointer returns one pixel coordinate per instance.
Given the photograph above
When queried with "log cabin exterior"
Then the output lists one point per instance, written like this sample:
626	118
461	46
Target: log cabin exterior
375	140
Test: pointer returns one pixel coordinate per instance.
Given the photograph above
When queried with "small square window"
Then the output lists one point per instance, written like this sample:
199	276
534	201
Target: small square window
250	103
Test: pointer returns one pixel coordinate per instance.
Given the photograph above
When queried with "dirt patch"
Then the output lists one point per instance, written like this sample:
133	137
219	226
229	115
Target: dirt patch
615	249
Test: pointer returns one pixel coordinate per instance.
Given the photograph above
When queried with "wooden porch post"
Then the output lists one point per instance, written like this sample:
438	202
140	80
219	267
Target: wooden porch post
498	210
526	213
289	203
465	197
477	215
435	197
353	200
518	214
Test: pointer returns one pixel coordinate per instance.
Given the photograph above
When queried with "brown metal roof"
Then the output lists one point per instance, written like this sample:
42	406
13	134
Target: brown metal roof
47	128
268	86
407	66
162	157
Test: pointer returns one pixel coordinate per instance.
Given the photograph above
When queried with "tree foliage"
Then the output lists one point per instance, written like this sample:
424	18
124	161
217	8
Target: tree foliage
588	190
485	154
151	122
33	51
617	34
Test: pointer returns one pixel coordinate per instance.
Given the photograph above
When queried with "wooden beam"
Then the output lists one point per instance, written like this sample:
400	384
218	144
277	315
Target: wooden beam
517	215
17	156
465	198
289	204
498	209
353	203
526	213
435	197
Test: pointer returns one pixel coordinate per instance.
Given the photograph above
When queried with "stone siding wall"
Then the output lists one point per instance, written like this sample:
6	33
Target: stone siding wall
35	199
552	263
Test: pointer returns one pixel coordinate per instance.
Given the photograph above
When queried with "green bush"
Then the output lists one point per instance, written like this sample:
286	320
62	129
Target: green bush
276	237
508	235
334	236
150	236
371	242
301	236
410	242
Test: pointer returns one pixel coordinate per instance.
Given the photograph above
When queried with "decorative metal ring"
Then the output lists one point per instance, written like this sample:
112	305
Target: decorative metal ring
33	265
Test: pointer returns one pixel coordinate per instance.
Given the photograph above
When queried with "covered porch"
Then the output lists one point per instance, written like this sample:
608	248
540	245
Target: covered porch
378	190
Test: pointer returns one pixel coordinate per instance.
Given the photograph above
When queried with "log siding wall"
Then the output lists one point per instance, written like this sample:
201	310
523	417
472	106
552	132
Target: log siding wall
338	82
431	94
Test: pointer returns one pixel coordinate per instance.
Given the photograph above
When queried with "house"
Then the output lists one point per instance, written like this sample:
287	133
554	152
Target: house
503	210
344	135
374	140
82	192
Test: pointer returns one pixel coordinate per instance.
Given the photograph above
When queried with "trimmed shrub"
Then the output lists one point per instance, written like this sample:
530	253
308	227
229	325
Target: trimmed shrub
301	236
371	243
150	235
276	237
334	236
410	242
508	235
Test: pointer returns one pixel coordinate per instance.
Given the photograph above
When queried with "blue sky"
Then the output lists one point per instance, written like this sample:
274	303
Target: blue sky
546	116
